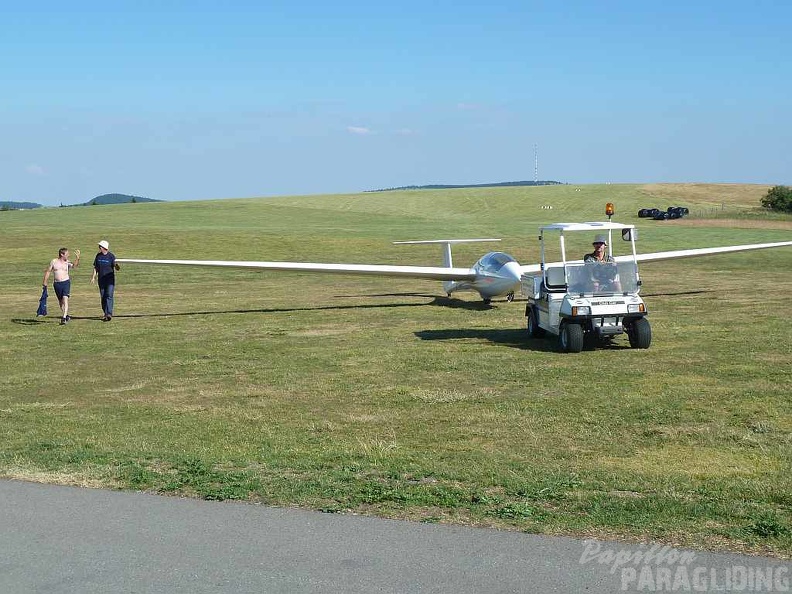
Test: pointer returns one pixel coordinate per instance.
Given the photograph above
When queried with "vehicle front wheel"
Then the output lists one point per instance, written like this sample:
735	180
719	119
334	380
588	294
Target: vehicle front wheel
640	334
534	330
571	338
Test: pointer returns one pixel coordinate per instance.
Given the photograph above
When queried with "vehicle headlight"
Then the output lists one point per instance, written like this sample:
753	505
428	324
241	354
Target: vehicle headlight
581	310
636	308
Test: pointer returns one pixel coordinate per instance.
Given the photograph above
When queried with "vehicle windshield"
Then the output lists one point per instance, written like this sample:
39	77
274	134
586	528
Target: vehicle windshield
602	278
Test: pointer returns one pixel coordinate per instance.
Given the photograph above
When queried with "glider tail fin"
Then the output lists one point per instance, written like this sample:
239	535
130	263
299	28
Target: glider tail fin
448	261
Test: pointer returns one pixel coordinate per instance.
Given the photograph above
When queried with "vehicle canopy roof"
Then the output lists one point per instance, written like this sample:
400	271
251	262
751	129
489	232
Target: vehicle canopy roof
591	226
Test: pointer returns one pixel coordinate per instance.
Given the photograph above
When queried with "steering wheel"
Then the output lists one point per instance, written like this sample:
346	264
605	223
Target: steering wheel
605	273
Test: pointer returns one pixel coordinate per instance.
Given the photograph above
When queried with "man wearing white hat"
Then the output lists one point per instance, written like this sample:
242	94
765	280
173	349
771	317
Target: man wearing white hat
104	270
599	254
604	273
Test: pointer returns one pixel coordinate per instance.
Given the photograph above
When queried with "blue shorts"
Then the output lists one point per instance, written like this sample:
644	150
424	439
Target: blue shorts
62	288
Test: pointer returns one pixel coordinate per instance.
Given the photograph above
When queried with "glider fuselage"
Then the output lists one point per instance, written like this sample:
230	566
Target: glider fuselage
496	274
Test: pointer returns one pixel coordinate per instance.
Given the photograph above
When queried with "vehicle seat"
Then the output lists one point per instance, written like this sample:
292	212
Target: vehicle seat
555	278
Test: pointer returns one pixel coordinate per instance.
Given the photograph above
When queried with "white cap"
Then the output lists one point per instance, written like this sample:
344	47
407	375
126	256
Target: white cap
104	244
597	239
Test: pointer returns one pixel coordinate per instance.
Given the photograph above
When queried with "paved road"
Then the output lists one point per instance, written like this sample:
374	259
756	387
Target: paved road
68	540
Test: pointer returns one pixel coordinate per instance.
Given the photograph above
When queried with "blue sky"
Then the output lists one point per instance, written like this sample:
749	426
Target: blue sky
192	100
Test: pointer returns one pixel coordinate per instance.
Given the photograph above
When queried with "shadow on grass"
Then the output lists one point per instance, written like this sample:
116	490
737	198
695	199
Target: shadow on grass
442	301
453	303
516	338
436	301
28	321
404	294
512	337
52	320
675	293
267	310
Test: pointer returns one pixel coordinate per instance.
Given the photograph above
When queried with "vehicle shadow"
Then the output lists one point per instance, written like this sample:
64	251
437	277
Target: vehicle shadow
512	337
606	345
516	338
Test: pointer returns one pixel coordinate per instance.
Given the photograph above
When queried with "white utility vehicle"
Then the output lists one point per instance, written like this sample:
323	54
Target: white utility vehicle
587	301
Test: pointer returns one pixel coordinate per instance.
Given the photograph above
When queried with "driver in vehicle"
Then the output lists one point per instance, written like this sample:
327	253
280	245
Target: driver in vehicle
602	267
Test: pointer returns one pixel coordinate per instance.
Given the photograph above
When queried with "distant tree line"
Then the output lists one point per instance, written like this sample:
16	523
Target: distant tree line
778	198
453	187
10	205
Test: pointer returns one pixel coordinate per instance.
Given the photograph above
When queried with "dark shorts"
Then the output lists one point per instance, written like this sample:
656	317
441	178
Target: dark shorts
62	288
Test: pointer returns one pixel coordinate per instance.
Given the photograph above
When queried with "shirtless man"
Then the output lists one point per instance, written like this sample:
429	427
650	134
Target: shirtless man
61	282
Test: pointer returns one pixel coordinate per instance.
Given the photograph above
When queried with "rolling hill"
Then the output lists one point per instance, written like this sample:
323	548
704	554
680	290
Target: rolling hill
117	199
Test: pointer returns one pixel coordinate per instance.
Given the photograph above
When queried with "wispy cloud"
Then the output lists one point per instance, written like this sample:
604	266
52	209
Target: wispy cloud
405	132
467	106
359	130
34	169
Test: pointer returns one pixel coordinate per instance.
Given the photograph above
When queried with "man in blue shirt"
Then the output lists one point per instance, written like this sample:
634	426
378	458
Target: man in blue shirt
104	270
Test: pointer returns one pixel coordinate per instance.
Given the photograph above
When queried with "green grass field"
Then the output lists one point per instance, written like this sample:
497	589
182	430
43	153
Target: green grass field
380	396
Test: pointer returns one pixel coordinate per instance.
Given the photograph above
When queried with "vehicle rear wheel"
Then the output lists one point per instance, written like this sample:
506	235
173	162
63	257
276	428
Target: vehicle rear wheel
640	334
571	338
534	330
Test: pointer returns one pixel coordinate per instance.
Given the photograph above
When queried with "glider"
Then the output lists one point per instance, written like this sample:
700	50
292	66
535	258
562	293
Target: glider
495	274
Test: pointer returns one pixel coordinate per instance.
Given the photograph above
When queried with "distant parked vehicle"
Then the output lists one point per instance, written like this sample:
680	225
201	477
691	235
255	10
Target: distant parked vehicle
648	213
672	212
677	212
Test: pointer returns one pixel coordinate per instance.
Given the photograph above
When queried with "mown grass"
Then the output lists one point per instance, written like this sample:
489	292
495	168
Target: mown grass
380	396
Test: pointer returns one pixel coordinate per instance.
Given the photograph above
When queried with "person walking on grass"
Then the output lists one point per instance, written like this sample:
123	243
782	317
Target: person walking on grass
105	268
59	268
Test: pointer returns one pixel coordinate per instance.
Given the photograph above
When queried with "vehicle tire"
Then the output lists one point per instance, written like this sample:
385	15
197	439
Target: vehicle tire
534	330
640	334
571	338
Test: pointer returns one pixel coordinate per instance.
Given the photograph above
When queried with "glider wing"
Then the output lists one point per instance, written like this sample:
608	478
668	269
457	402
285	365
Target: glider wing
428	272
703	251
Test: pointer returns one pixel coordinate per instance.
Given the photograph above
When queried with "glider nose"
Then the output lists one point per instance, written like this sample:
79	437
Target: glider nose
511	270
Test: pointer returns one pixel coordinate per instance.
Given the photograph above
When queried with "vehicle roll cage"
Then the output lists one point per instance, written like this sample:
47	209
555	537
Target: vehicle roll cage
628	233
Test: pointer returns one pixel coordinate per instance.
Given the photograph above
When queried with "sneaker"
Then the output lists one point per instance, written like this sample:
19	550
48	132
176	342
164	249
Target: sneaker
63	321
108	318
68	318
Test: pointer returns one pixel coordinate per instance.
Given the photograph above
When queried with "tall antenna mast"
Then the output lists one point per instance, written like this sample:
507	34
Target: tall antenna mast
536	163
